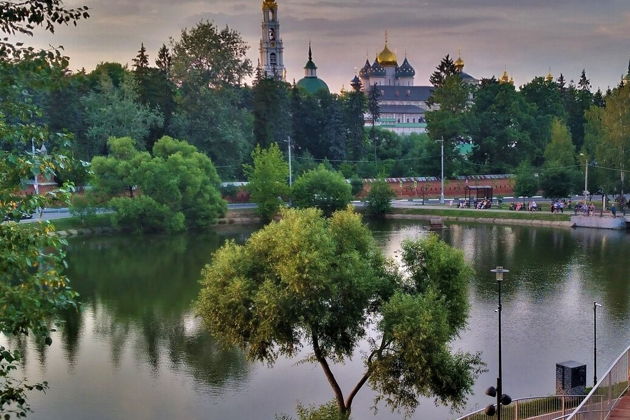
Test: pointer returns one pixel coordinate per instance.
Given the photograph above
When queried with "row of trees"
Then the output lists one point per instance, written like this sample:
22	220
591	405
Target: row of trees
546	127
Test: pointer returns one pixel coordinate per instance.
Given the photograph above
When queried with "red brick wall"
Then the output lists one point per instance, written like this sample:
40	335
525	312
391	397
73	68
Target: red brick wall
453	188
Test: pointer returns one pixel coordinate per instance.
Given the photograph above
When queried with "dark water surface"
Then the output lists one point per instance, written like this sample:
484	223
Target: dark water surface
137	352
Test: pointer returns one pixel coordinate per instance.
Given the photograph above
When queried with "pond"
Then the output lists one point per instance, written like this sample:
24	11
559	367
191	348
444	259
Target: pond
136	350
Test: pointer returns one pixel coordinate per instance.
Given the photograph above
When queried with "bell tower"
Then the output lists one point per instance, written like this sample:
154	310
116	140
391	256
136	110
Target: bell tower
271	49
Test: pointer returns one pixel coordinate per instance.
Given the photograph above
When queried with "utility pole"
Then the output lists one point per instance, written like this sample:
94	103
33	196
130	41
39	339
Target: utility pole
595	305
441	141
290	171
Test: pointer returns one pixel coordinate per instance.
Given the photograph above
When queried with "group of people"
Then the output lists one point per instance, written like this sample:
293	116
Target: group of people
519	205
558	206
584	208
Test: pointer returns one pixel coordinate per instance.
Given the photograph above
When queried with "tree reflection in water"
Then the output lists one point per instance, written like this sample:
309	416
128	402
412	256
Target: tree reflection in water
138	292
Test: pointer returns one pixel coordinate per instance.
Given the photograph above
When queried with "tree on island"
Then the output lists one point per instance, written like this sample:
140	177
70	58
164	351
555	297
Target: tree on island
310	281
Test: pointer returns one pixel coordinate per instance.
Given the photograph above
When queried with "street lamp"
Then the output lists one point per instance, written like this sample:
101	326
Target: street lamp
502	399
441	141
595	305
585	176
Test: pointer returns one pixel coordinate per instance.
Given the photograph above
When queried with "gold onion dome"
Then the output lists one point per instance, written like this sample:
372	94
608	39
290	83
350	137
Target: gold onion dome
269	4
505	77
549	77
459	64
387	57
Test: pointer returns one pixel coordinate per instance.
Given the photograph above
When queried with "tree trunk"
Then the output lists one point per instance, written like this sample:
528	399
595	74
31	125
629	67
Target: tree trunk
331	377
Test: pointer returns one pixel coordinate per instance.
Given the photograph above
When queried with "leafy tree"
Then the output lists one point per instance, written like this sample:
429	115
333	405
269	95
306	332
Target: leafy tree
613	151
209	57
526	181
208	66
354	107
33	287
560	151
267	180
379	199
501	127
322	188
271	107
559	176
21	18
118	172
182	181
116	112
323	283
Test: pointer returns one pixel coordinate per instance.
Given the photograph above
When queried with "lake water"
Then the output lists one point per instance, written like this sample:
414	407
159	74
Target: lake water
136	351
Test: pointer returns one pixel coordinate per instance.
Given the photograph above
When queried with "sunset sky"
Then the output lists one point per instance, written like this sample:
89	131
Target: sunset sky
528	37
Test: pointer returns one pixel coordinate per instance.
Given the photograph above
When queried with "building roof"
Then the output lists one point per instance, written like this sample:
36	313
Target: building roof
405	70
405	93
366	69
401	109
376	69
312	84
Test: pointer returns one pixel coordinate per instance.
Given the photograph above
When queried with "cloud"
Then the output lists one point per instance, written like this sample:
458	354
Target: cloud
527	36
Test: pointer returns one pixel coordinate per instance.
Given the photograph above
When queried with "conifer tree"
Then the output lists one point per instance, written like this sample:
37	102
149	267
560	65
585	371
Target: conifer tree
445	69
584	84
163	61
141	62
372	105
562	83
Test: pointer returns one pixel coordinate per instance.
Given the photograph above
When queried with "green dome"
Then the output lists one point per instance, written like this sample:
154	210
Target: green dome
313	84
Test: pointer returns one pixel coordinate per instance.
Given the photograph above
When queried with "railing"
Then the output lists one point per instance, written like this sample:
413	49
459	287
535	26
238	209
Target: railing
604	396
539	408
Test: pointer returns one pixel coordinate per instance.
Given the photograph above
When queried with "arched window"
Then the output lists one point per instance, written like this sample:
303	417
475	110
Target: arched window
272	59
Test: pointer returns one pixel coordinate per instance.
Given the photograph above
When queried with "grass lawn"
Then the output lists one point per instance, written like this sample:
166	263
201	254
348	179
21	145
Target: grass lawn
487	214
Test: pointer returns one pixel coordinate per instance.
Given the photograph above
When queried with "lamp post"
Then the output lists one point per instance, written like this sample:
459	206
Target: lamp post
441	141
290	171
585	176
595	305
502	399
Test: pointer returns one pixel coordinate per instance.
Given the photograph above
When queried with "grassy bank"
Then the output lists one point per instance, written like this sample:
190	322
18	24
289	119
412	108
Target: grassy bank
97	221
486	214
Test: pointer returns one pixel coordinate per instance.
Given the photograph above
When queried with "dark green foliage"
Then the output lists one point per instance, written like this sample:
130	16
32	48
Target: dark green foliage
379	199
321	188
144	214
271	107
328	411
372	104
526	182
181	181
323	283
445	69
356	184
558	182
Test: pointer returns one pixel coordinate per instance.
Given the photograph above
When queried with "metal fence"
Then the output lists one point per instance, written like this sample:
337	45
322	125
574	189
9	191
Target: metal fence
604	396
539	408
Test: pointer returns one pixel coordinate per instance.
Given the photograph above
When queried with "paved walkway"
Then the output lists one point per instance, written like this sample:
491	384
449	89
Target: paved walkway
622	411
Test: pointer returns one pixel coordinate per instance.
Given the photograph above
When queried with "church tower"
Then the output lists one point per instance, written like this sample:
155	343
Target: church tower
271	49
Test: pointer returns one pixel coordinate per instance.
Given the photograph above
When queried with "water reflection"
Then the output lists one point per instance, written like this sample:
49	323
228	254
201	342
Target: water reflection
135	350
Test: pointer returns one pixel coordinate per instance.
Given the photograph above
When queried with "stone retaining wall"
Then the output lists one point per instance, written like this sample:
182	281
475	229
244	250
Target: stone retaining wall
481	220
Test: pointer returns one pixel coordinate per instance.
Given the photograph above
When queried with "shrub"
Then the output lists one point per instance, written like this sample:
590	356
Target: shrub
82	206
357	185
144	214
379	199
322	188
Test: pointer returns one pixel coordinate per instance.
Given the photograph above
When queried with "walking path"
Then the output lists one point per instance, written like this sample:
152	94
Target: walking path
622	411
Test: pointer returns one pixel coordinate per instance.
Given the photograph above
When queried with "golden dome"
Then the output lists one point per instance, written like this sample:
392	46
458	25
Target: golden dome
549	77
387	57
459	63
505	78
269	4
